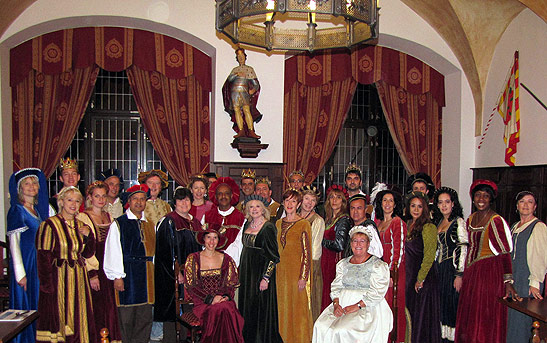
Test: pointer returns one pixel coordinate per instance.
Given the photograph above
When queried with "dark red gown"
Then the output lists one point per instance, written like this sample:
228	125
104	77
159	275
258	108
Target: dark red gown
221	322
481	317
104	302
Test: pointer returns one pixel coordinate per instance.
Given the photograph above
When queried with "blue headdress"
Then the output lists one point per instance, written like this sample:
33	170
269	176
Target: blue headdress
42	207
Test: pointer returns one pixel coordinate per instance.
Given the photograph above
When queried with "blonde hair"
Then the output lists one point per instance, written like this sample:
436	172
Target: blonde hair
91	188
20	190
64	193
265	214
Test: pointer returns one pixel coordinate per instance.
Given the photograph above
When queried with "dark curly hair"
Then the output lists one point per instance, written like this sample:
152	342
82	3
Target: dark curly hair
457	210
397	210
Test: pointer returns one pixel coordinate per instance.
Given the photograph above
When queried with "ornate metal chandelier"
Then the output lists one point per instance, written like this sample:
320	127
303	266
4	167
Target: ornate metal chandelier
342	23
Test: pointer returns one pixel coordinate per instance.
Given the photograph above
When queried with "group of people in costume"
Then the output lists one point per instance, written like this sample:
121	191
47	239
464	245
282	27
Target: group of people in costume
378	268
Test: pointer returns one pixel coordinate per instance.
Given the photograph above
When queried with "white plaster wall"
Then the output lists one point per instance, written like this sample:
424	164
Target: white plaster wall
527	34
193	22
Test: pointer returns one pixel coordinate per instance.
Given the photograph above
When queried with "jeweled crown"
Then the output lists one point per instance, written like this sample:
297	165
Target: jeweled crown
68	163
263	179
248	174
353	168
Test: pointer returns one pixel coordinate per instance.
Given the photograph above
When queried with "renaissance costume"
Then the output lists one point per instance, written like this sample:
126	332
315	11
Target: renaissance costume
393	239
481	317
65	305
367	281
104	302
175	240
451	261
317	231
335	242
529	262
22	226
199	211
293	240
230	221
129	251
155	210
259	308
423	306
115	209
220	322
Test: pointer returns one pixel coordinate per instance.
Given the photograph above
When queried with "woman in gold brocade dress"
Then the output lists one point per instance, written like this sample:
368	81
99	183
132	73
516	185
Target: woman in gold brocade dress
65	305
293	278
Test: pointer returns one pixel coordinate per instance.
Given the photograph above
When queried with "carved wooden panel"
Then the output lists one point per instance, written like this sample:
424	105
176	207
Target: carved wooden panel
274	172
512	180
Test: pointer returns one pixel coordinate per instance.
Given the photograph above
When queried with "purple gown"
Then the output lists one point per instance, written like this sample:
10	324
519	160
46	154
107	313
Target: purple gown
424	306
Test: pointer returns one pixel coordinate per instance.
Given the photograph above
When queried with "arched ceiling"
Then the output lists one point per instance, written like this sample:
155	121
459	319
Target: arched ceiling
471	28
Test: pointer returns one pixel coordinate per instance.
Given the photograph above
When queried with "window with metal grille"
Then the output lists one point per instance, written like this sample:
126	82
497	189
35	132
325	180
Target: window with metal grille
366	141
111	135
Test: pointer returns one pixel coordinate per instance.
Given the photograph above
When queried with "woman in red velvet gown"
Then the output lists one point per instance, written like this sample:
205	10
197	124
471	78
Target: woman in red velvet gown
388	209
102	289
211	278
488	273
335	238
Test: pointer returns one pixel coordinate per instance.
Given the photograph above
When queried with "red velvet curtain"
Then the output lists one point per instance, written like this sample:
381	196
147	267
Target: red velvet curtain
55	74
175	114
315	108
414	122
419	144
47	110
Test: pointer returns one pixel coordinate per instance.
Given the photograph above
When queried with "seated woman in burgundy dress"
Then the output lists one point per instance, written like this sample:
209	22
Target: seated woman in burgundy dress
211	278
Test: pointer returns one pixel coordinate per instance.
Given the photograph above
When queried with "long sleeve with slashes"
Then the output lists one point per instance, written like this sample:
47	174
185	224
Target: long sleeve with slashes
398	232
460	252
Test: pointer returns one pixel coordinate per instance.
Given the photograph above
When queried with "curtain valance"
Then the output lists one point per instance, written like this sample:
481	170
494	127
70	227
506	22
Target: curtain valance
110	48
366	65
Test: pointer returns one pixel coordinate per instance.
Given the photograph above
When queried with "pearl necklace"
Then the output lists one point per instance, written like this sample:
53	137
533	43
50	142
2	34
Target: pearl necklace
256	225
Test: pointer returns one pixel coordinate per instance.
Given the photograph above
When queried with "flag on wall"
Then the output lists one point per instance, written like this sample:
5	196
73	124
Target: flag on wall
508	108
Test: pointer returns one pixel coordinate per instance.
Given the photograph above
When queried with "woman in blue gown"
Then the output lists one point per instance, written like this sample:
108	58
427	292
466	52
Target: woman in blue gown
29	207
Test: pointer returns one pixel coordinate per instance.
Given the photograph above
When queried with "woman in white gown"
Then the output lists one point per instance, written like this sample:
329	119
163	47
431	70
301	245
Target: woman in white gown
359	311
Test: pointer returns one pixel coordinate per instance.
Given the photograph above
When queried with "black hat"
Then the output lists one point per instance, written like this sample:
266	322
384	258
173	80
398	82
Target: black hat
109	173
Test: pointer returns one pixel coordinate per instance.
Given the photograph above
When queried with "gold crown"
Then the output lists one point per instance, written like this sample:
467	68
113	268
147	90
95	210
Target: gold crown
353	168
265	180
68	163
296	172
248	174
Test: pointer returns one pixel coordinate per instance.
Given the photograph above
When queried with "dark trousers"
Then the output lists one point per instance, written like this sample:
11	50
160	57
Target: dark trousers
170	333
135	323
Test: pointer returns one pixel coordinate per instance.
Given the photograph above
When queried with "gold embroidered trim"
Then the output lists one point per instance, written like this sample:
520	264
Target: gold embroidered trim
269	270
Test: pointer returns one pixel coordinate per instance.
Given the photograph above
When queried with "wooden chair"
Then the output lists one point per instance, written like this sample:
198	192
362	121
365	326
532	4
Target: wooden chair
4	276
188	318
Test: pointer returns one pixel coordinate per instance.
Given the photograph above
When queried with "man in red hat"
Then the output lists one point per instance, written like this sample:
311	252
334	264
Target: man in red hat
128	260
224	193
